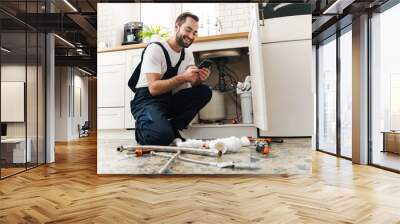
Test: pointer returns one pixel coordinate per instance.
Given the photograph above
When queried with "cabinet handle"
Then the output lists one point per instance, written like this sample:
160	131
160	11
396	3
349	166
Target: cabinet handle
262	13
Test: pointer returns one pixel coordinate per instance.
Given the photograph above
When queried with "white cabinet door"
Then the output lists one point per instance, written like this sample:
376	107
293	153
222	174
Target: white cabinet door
110	118
287	54
132	60
257	72
289	88
287	28
110	86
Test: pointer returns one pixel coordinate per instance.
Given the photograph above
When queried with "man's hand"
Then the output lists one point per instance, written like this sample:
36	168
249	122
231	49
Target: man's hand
204	73
190	74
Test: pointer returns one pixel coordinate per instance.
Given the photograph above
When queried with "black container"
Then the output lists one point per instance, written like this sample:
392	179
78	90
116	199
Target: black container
131	33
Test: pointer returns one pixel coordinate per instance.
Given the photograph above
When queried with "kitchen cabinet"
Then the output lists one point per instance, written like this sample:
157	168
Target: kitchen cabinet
259	96
290	28
110	118
110	90
113	93
110	79
110	82
132	60
286	50
288	85
251	44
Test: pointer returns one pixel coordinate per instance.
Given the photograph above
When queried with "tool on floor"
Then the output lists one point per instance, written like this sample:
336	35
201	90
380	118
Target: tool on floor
166	166
230	164
269	140
263	147
230	144
140	150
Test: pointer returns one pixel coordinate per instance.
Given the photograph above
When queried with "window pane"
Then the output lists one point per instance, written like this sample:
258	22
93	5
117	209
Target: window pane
346	94
327	96
386	88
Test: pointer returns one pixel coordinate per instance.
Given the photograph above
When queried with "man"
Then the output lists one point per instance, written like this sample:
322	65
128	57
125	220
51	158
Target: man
169	92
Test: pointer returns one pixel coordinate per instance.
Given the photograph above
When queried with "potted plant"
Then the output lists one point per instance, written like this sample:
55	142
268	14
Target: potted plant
153	33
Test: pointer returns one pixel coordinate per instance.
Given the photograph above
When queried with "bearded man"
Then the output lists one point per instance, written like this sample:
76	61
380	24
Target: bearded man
169	92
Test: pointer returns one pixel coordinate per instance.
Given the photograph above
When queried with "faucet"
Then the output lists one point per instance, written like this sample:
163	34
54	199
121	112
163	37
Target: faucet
218	25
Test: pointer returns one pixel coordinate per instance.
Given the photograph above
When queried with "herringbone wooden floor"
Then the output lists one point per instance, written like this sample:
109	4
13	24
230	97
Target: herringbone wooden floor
70	191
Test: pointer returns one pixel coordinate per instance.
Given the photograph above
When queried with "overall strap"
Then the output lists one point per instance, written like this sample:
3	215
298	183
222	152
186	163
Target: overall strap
173	71
181	58
167	58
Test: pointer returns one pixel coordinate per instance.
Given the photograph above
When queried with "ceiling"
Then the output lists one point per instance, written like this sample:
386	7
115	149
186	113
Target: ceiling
76	24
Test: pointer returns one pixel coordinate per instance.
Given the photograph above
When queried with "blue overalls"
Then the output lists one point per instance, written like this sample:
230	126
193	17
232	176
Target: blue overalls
158	118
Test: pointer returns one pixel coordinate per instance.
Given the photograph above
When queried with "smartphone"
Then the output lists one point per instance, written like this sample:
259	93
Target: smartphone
205	63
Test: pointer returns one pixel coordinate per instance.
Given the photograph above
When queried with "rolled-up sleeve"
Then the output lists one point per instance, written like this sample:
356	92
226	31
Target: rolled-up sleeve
152	60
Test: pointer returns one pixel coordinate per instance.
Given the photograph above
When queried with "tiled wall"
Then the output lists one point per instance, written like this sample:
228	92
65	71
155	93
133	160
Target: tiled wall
234	17
110	22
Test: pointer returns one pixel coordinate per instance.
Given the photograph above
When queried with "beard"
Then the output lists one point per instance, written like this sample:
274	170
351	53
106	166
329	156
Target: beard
181	42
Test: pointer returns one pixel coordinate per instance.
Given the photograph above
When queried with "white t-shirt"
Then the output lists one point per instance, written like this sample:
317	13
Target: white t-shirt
154	62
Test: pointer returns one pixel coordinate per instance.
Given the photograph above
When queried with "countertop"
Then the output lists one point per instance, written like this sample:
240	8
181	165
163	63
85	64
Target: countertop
198	40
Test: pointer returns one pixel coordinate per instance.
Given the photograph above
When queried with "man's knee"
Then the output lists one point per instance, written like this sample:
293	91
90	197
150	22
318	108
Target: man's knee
205	92
157	136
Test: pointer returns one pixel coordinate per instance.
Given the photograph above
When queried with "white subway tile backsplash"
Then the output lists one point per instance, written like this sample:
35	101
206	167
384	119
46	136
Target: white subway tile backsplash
238	23
110	23
230	30
233	6
242	17
227	25
238	11
226	13
234	17
231	18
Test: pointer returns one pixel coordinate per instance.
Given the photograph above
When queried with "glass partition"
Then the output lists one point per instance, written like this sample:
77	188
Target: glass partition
22	66
14	154
31	100
327	95
41	111
385	89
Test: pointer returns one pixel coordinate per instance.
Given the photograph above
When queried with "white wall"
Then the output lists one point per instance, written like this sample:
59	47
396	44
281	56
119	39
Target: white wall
67	81
62	81
80	83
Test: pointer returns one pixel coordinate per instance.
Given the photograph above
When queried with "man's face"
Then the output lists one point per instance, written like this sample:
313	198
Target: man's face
187	32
